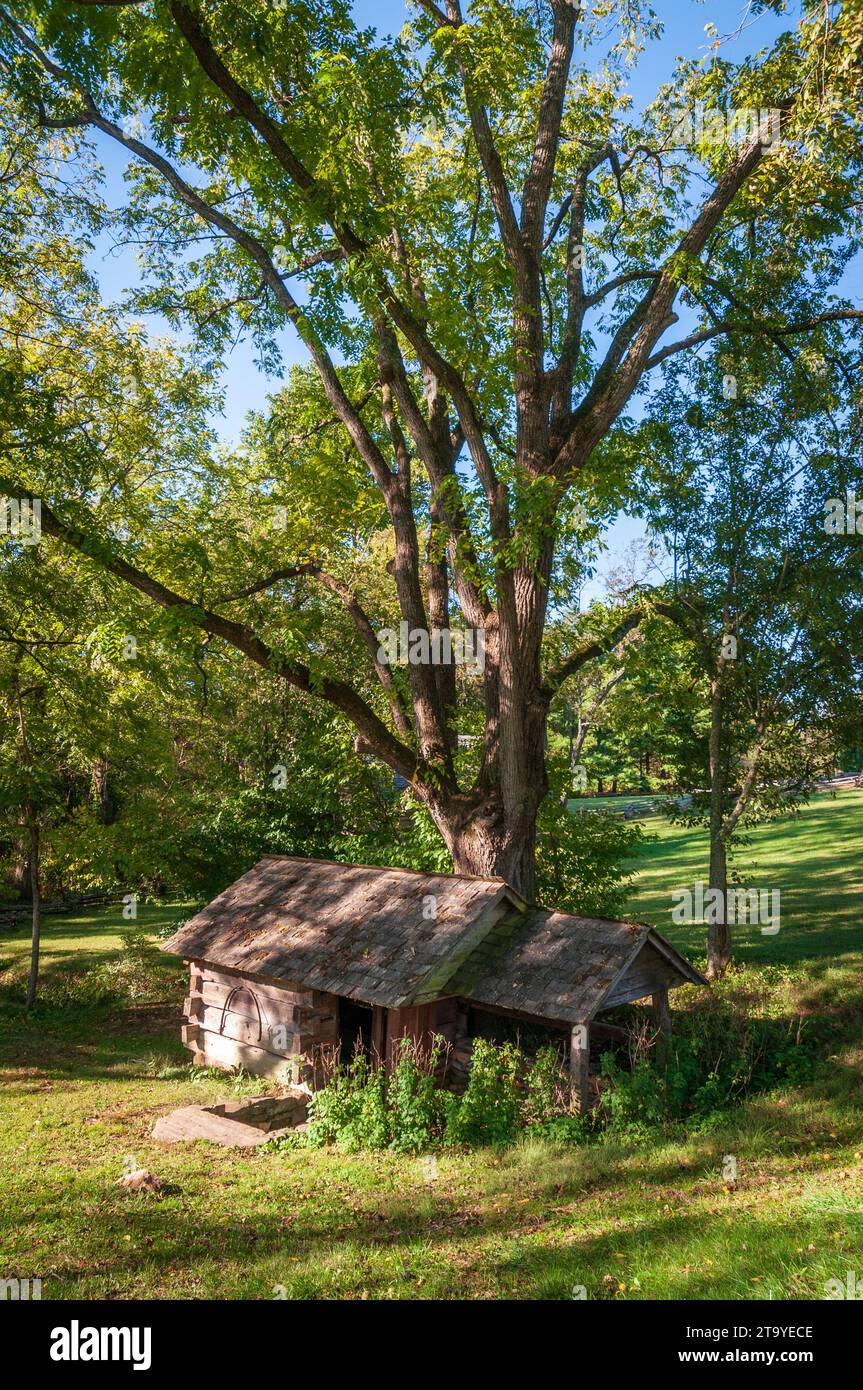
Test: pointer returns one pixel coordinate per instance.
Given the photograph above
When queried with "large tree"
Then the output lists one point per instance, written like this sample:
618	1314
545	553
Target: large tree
492	249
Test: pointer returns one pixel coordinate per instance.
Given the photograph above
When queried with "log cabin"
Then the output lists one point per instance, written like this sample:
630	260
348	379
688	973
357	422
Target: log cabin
301	960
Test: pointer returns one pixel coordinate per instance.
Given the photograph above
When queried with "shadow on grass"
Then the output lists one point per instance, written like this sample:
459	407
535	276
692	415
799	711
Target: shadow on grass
433	1243
813	858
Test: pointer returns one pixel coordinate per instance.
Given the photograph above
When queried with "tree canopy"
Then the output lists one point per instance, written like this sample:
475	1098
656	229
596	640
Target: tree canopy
494	257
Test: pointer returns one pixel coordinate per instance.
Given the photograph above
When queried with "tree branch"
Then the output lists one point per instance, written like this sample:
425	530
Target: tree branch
191	26
616	380
538	183
753	327
348	414
489	158
358	615
335	692
589	651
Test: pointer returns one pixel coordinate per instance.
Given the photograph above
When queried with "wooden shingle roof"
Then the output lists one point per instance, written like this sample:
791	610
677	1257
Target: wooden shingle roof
560	966
393	937
365	933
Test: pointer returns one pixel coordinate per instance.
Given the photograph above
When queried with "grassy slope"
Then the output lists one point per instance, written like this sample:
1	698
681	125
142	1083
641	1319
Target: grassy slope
814	860
79	1090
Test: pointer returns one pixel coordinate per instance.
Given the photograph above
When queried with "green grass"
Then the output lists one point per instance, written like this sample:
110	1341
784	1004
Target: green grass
81	1085
814	859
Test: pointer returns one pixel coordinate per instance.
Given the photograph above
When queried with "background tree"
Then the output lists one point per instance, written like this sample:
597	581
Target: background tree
768	598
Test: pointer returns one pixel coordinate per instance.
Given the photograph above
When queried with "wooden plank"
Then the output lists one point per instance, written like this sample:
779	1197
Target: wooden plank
579	1066
309	1017
519	1015
680	963
379	1031
608	1031
219	1051
248	1030
213	1016
647	974
243	992
416	1022
661	1010
270	982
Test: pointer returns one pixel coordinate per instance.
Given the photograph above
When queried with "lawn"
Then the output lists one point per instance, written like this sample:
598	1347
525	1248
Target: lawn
814	860
82	1082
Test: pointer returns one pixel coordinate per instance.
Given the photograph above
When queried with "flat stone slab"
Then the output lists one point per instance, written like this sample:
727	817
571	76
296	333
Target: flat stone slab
234	1124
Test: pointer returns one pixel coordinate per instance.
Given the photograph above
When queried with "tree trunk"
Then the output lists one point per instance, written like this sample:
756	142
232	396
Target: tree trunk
489	844
718	931
107	810
35	851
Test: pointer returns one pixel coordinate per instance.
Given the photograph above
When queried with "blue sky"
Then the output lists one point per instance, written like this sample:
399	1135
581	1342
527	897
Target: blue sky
246	387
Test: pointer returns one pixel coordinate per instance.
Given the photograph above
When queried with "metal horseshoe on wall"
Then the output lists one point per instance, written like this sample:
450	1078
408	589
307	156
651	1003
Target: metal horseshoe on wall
239	989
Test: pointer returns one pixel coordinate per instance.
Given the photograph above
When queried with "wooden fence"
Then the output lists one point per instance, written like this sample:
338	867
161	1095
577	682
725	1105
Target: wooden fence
14	915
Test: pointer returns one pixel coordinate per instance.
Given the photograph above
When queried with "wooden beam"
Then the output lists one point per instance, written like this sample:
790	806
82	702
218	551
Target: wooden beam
579	1066
379	1033
553	1024
661	1011
193	1006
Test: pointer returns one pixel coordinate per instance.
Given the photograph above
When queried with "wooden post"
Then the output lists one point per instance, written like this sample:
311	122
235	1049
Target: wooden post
579	1066
379	1034
661	1011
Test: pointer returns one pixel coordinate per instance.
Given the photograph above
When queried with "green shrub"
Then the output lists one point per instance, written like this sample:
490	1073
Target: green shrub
350	1111
722	1050
417	1110
733	1043
139	973
563	1129
366	1107
79	989
632	1102
492	1108
547	1092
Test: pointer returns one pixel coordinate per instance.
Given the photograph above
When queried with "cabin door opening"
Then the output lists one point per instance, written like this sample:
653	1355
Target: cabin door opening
355	1029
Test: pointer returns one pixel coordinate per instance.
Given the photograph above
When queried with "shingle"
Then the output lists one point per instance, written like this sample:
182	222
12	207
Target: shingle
553	964
346	929
357	931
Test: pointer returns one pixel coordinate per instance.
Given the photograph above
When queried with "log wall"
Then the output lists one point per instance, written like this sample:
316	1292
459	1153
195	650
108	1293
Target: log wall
233	1019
